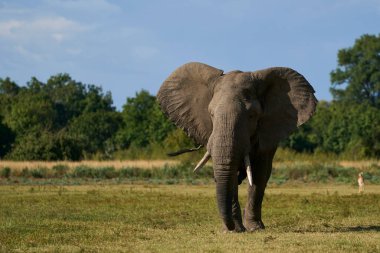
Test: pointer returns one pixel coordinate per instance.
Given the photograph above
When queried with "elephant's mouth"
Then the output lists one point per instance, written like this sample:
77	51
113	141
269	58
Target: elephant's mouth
247	164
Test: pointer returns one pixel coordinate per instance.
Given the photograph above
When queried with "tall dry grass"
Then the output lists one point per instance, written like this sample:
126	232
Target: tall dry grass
151	164
144	164
346	164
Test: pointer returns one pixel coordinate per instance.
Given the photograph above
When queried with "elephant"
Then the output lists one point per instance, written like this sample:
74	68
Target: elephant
239	117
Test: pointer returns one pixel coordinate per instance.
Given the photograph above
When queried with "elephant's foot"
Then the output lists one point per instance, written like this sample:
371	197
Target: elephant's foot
253	226
239	228
235	227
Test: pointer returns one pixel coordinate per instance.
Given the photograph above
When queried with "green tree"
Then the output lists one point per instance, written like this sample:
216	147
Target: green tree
143	122
31	112
94	131
72	98
359	71
364	128
7	137
59	119
346	128
335	133
350	123
177	140
301	140
36	145
8	91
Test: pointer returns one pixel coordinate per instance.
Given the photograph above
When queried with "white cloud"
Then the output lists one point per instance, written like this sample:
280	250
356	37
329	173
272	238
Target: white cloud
28	54
8	27
84	5
41	38
53	24
58	37
52	28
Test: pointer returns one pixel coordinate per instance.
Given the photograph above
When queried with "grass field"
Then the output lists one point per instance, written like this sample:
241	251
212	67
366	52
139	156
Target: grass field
183	218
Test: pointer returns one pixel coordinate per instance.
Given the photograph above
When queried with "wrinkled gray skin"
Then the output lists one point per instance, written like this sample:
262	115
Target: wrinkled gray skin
236	114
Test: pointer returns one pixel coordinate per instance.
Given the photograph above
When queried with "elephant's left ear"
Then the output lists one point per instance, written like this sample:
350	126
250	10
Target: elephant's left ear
288	101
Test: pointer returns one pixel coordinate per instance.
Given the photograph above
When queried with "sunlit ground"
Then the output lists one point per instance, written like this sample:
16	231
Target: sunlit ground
183	218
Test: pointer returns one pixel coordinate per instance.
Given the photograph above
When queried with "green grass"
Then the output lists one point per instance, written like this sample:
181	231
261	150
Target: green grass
183	218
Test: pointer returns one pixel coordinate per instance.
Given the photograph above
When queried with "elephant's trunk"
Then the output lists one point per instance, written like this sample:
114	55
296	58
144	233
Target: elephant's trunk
228	148
225	181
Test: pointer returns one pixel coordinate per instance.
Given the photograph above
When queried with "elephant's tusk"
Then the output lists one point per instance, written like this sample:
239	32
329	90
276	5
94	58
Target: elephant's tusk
247	163
204	160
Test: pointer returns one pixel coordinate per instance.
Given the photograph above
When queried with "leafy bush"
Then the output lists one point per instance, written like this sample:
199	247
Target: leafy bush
5	172
39	173
101	173
60	170
105	173
82	172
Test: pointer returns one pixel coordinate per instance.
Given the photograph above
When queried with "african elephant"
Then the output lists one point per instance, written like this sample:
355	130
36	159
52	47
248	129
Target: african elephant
239	117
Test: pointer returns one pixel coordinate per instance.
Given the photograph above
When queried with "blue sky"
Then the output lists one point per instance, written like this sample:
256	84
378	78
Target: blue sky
126	46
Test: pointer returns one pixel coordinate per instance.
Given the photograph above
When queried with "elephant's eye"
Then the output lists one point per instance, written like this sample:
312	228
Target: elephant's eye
252	114
247	96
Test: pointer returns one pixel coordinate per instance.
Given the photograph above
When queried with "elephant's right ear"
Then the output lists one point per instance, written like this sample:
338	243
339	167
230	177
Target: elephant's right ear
185	95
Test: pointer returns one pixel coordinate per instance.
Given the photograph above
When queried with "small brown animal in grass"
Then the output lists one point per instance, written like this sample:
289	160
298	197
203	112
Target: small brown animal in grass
361	182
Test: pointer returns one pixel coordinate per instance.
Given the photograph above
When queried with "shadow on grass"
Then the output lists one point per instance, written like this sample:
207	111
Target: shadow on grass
332	229
359	228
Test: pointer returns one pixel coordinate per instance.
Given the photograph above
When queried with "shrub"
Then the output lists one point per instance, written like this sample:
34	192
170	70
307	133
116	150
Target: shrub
5	172
105	173
129	172
60	170
82	172
25	172
39	173
88	172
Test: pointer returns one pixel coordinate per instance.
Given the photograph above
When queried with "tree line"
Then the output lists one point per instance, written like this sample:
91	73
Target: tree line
64	119
350	123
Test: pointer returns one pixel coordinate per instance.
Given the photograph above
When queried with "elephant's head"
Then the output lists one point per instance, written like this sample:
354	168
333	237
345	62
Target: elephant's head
233	114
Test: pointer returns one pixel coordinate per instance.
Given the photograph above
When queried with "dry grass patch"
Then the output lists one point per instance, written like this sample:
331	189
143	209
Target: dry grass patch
150	164
143	164
346	164
359	164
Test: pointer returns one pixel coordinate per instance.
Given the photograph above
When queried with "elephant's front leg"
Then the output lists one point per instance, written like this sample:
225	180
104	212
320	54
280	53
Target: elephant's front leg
252	212
236	211
262	168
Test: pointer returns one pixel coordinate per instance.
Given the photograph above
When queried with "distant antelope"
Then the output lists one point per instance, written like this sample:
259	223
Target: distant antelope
361	182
